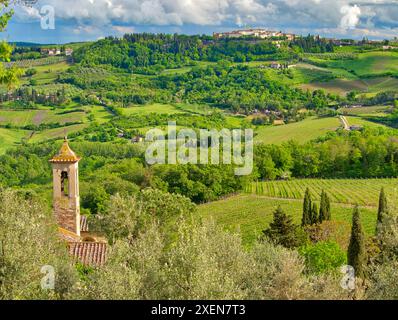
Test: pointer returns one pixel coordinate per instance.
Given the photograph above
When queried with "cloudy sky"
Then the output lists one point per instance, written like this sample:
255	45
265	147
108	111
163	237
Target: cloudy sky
79	20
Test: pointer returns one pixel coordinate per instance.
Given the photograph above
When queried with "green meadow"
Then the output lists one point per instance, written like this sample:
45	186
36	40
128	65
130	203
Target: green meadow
11	138
303	131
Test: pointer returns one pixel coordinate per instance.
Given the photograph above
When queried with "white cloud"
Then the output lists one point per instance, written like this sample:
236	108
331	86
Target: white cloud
293	14
84	29
123	29
351	16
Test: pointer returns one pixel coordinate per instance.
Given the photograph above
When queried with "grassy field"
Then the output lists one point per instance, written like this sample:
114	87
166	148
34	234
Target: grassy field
72	113
250	214
101	115
57	132
364	110
302	131
11	138
358	121
370	72
367	64
343	86
160	108
201	109
337	86
364	192
26	117
46	74
150	108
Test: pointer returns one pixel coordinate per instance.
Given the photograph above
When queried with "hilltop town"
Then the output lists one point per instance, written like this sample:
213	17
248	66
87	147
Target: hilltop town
280	35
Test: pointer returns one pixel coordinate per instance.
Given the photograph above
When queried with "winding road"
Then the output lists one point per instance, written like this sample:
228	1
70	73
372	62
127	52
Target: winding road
344	121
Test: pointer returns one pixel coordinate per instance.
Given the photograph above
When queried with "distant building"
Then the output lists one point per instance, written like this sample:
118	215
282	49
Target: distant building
50	52
68	51
275	65
256	33
356	128
137	139
290	36
278	123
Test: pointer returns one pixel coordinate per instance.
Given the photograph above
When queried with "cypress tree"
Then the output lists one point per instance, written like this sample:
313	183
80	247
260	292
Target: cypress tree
356	250
328	212
383	207
282	230
314	214
324	210
307	209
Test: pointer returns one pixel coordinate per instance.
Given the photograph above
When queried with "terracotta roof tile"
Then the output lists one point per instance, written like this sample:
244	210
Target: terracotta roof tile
83	224
68	236
65	154
89	253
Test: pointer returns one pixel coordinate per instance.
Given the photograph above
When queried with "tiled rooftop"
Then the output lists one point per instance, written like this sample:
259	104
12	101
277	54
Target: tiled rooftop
89	253
83	224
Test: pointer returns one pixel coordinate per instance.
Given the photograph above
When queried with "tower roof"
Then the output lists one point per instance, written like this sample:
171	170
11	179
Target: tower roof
65	154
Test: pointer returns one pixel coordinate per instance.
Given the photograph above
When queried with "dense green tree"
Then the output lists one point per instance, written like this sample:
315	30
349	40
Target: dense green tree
324	210
29	241
314	214
383	207
8	76
356	254
282	230
307	209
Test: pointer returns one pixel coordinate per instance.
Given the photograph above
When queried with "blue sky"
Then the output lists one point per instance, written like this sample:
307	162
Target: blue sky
81	20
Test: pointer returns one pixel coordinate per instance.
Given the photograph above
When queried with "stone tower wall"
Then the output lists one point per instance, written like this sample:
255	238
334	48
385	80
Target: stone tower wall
67	207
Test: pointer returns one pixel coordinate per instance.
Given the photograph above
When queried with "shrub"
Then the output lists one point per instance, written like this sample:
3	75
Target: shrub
29	241
384	284
323	257
334	231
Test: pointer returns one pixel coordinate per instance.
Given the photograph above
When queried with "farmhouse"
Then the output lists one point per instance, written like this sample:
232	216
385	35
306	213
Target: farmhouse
356	128
50	52
68	52
389	48
275	65
89	249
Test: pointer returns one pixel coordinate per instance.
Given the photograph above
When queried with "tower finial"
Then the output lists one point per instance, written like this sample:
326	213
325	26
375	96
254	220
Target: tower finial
65	154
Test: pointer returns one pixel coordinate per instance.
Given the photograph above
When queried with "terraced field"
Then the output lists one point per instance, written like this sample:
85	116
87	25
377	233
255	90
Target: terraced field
364	192
36	117
9	137
344	86
302	131
369	72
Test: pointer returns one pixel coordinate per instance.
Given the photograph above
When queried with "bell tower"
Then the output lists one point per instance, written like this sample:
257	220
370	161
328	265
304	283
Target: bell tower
66	199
